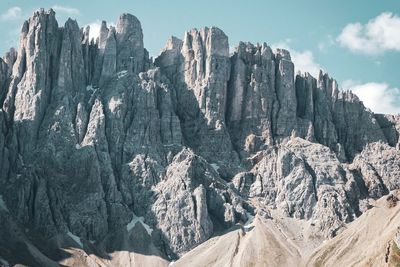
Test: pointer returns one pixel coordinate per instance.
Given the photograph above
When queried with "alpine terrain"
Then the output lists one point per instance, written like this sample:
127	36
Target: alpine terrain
199	157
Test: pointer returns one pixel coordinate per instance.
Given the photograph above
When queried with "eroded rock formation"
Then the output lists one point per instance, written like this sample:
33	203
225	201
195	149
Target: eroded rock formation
94	133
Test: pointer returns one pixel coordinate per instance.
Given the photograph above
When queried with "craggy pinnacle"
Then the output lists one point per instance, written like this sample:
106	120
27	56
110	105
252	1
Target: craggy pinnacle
94	133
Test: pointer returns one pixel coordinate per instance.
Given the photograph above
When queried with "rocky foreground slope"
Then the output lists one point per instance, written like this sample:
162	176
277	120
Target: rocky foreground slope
111	158
371	240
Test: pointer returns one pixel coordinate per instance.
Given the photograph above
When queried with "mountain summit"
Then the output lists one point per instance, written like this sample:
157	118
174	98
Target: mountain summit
111	158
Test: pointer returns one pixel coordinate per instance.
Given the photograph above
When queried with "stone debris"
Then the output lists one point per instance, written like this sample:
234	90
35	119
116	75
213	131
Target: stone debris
391	201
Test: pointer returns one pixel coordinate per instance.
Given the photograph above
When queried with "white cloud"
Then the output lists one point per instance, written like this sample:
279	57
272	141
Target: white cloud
379	97
12	13
66	10
94	29
380	34
326	43
303	60
232	49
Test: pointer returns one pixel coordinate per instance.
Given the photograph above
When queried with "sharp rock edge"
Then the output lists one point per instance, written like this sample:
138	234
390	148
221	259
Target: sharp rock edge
196	142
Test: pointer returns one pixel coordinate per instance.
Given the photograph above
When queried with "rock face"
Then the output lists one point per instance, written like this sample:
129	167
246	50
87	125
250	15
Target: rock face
252	104
130	49
93	134
353	247
199	68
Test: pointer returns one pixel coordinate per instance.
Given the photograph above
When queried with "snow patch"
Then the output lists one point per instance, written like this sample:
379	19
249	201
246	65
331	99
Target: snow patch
89	88
122	74
3	205
114	103
3	262
215	167
136	219
76	239
132	223
249	223
169	145
77	146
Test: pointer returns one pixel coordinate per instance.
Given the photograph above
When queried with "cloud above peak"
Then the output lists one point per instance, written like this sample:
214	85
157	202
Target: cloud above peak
13	13
95	26
66	10
379	97
94	29
303	60
380	34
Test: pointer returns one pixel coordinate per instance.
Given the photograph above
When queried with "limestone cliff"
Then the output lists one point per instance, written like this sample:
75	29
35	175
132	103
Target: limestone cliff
94	135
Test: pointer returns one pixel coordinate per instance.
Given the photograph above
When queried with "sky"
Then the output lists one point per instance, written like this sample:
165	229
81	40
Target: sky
357	42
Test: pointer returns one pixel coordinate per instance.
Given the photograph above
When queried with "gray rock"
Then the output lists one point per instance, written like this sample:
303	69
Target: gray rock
193	202
4	70
286	94
109	67
130	49
9	58
92	133
390	125
200	78
252	102
34	75
306	181
6	66
379	166
99	55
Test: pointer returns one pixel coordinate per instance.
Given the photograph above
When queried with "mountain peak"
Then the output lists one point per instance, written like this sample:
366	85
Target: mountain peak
107	154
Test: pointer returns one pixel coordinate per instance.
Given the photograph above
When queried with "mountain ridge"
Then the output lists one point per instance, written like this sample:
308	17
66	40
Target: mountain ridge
94	133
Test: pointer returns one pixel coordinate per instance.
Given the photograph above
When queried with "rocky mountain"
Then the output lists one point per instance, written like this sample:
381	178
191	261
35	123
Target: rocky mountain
111	158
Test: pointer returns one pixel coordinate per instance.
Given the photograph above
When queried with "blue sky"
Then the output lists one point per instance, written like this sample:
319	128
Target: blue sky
357	42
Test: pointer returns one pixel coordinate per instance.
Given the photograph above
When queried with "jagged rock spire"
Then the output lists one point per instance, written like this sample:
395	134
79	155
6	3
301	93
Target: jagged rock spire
130	48
207	66
91	138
